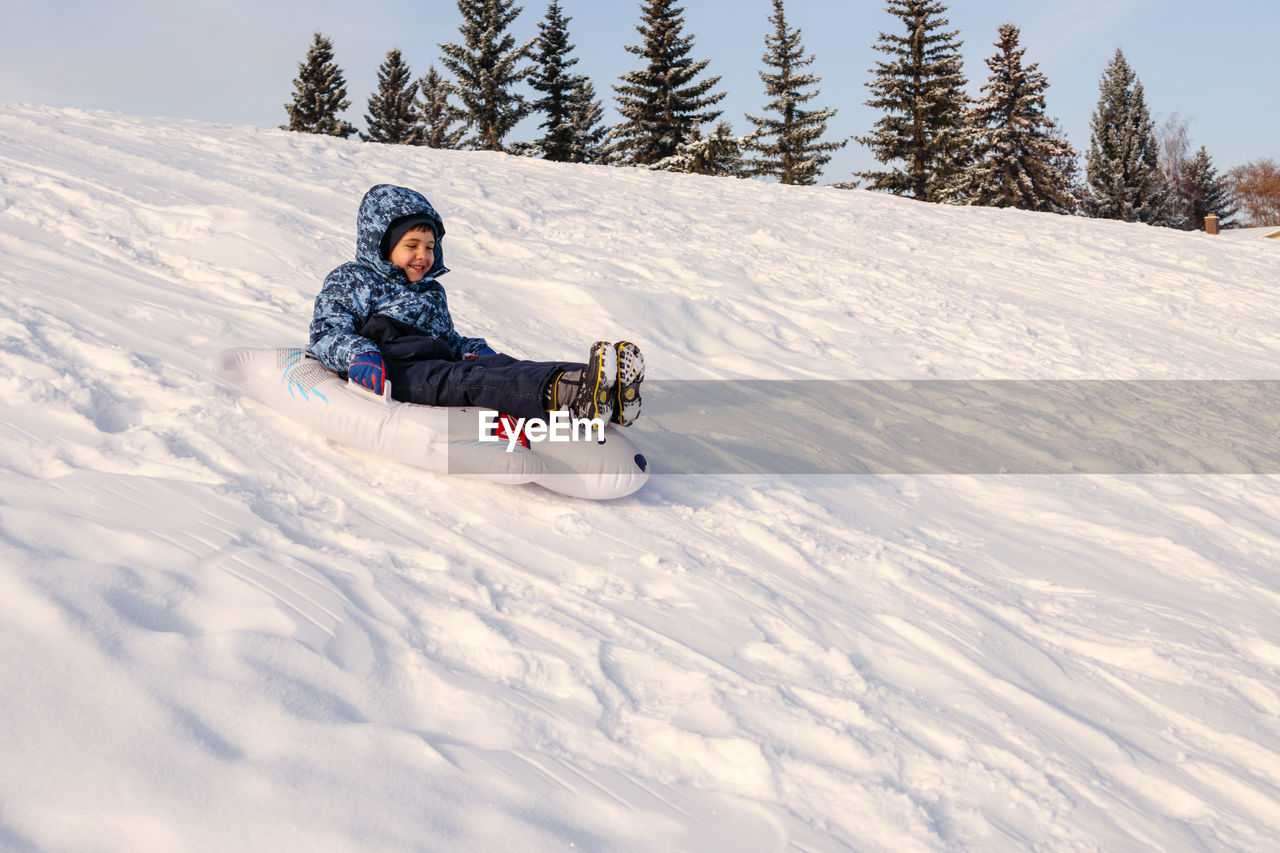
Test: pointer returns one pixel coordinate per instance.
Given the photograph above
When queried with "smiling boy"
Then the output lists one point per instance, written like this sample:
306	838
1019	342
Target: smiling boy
414	251
385	317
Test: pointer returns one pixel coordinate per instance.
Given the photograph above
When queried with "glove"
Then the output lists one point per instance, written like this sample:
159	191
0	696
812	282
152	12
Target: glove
368	370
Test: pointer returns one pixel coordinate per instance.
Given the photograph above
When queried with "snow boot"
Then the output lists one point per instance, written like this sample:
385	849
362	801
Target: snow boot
626	395
587	393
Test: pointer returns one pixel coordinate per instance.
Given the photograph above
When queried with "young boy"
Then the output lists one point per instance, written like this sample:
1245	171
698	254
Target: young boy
384	317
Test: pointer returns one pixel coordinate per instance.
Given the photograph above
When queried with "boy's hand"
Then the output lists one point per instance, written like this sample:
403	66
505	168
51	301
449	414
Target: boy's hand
368	370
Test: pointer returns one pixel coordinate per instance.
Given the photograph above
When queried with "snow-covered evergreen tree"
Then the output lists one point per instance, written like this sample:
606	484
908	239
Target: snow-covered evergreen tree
920	88
1015	149
568	100
1205	192
663	104
787	141
1067	165
319	94
718	153
587	121
1122	166
393	115
438	115
485	67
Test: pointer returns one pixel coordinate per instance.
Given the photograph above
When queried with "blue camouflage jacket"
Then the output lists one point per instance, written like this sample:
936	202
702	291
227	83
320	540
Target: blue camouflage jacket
372	285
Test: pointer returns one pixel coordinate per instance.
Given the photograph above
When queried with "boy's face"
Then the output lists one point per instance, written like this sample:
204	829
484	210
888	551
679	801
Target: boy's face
415	253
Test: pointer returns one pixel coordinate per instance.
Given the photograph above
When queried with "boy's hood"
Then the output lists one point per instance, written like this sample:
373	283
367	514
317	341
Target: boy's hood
381	206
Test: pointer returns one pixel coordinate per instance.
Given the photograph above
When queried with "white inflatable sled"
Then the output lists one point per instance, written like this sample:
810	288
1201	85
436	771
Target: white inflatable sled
447	440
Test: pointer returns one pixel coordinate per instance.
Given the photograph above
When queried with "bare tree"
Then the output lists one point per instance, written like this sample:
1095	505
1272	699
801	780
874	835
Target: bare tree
1258	191
1175	144
1175	157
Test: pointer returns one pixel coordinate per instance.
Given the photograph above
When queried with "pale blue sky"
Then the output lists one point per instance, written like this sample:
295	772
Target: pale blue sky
234	61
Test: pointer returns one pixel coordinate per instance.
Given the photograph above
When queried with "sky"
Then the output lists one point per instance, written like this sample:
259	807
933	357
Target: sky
233	61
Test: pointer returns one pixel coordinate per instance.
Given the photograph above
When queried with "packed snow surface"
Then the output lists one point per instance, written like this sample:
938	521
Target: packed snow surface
220	632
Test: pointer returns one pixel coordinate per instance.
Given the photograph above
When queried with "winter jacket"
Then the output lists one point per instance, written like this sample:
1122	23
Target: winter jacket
373	286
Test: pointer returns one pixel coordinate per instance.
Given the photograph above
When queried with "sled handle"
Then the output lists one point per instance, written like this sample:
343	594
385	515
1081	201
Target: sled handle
384	397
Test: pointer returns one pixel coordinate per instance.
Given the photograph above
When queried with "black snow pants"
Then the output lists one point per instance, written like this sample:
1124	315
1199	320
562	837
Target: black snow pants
421	369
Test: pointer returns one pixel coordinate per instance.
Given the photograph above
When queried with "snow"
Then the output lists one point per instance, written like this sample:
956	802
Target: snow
221	632
1250	233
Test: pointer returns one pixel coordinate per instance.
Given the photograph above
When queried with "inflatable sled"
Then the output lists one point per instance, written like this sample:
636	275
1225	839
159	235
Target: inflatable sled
597	464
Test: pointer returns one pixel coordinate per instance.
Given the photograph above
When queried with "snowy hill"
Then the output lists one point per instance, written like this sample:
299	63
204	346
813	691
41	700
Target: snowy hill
220	632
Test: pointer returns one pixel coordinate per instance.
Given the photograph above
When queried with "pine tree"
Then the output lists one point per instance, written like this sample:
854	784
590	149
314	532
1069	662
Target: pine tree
568	100
921	90
663	104
393	115
794	156
438	115
485	68
1122	166
319	94
586	117
1205	192
1015	148
718	153
1067	166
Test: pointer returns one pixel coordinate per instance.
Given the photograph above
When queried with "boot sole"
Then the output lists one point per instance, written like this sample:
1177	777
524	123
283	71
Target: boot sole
601	375
627	390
